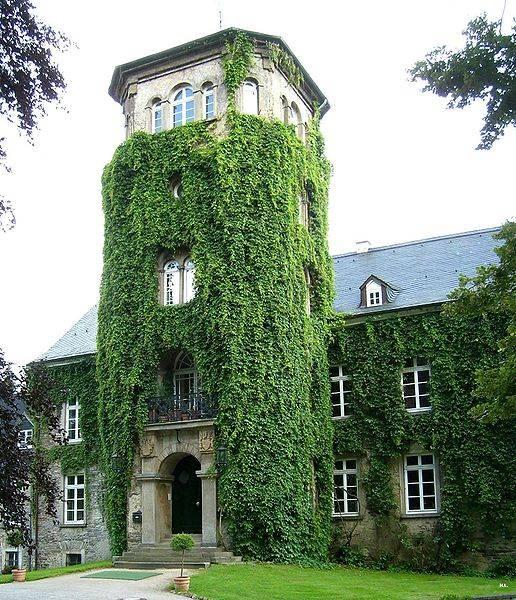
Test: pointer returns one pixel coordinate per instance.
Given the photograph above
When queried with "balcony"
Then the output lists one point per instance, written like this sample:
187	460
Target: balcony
175	408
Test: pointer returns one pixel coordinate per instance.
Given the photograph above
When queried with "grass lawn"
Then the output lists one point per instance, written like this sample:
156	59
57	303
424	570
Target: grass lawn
44	573
284	582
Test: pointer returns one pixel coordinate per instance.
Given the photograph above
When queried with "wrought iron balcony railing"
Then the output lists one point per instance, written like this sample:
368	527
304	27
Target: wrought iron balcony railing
174	408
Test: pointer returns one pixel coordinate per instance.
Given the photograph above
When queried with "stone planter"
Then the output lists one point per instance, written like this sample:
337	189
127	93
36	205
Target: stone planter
19	574
182	584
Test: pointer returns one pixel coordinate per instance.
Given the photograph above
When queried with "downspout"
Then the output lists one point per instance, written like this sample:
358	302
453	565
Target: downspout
324	103
36	529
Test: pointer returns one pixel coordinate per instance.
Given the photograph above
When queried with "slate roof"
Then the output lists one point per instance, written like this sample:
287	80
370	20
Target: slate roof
423	272
77	341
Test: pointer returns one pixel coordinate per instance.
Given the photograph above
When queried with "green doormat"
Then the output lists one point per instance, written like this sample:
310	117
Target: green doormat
128	575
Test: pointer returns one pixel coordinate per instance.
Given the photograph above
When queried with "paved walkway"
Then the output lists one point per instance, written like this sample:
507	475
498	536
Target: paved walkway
72	587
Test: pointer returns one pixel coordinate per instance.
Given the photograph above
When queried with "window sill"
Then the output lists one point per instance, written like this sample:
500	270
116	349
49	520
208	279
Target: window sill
340	418
417	411
351	517
72	525
74	442
421	515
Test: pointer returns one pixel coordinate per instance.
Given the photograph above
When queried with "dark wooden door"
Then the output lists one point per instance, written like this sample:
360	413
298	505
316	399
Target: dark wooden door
186	497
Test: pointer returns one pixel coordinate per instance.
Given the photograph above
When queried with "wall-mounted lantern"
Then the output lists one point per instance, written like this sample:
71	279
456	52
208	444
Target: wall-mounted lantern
221	459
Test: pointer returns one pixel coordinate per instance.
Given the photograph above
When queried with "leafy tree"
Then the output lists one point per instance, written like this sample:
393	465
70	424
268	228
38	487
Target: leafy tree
493	291
484	69
30	78
23	467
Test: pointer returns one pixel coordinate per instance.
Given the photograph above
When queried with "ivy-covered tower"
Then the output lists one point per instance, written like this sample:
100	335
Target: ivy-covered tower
215	300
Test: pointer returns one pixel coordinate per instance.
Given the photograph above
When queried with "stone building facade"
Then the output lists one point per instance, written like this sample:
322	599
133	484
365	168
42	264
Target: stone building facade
174	485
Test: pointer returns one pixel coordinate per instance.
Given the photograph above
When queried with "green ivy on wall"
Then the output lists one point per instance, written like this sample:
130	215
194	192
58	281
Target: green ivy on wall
247	327
286	63
77	380
476	460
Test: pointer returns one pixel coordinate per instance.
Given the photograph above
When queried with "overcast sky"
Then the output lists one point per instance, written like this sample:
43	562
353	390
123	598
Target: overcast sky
404	166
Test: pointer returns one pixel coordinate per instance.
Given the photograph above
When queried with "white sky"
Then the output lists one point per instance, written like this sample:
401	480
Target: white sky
404	166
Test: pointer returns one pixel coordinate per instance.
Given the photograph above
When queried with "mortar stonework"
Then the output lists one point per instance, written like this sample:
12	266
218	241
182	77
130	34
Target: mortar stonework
90	540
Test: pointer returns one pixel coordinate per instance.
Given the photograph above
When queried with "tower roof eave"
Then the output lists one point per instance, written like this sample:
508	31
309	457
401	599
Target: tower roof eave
213	40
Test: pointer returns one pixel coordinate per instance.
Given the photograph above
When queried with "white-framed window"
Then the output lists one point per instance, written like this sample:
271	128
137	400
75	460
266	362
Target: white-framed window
373	294
340	391
12	558
420	474
183	107
25	438
209	102
74	509
178	281
345	487
157	119
187	380
171	280
415	381
72	425
250	97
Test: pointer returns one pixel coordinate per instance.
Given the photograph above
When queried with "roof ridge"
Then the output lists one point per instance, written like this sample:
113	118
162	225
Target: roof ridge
419	241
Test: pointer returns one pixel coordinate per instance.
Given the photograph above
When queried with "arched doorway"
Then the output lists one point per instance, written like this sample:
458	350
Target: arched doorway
186	497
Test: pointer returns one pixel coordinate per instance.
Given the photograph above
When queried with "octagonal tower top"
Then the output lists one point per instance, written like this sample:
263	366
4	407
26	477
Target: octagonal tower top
186	83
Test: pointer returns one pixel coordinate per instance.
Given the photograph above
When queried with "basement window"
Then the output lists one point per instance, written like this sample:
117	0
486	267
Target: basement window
73	558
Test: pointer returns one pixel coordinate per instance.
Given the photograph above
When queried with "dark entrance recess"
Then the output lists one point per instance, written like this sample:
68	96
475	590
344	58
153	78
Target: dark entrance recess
186	497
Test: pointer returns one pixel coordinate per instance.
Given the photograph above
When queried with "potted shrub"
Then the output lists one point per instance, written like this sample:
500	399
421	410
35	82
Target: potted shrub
15	539
180	543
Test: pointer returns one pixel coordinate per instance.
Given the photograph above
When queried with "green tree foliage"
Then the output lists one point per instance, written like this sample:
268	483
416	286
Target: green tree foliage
484	69
182	542
475	457
248	329
30	78
20	467
492	291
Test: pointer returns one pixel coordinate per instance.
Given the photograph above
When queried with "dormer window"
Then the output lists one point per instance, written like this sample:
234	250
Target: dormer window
373	294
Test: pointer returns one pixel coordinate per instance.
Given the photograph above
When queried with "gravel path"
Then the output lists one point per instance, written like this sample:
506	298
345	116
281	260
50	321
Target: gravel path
72	587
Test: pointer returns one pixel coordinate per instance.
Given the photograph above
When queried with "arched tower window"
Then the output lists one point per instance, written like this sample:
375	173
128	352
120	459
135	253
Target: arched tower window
295	119
157	116
183	107
250	97
178	280
209	101
186	378
189	280
171	281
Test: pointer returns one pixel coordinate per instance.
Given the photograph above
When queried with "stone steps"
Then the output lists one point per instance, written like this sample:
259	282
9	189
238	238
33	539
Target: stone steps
161	556
158	564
